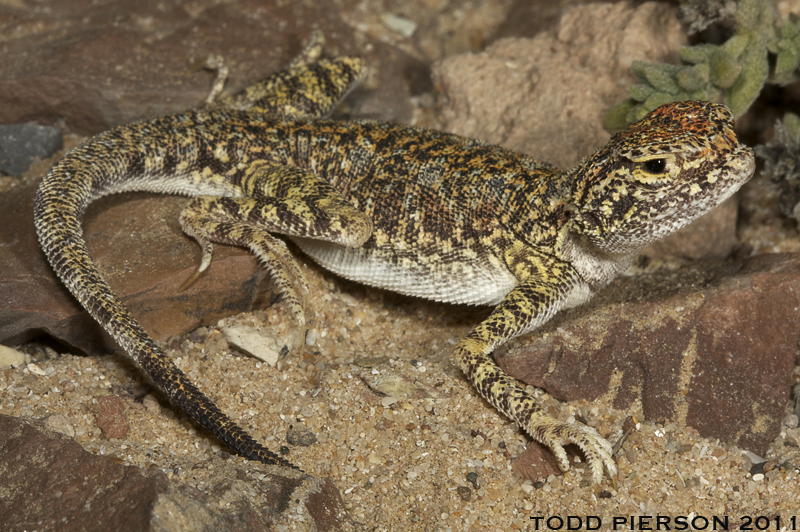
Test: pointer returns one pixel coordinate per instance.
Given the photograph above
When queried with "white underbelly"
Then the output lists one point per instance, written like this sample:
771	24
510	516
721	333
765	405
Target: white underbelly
462	280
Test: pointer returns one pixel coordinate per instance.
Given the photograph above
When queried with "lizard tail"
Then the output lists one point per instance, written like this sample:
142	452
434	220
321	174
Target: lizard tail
91	171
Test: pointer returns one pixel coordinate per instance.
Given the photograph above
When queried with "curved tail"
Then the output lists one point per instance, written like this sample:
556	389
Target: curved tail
93	170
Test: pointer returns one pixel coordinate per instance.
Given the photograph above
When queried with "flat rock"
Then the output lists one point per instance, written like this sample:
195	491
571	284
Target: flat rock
100	65
50	483
712	349
140	249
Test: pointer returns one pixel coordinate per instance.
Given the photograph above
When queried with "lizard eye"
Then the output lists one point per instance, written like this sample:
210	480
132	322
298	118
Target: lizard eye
655	166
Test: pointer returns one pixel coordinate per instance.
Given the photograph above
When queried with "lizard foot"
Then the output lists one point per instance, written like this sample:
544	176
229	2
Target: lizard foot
555	434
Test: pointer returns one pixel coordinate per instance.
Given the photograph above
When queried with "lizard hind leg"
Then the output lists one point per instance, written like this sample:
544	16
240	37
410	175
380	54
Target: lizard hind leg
278	199
309	87
209	218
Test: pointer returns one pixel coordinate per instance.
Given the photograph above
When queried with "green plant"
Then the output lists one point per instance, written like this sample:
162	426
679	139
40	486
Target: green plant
733	72
782	163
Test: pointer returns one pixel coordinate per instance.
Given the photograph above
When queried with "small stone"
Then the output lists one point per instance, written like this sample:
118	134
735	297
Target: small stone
150	404
370	362
632	456
258	343
386	402
312	336
301	437
59	423
10	358
36	370
401	25
464	492
111	417
395	386
472	478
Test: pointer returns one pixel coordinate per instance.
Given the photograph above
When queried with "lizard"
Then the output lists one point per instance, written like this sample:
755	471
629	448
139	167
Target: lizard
412	210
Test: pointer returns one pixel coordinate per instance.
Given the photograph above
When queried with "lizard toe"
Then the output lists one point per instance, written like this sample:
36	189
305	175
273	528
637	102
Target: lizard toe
596	449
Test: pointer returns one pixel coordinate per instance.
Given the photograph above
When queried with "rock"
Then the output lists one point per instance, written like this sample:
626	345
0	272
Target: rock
60	424
101	65
139	247
536	462
528	19
531	95
714	350
301	436
51	484
10	358
262	344
111	417
21	144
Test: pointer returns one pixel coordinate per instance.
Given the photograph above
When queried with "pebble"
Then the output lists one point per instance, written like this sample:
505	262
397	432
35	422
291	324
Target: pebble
257	343
10	358
150	404
59	423
401	25
312	336
301	437
371	362
464	492
36	370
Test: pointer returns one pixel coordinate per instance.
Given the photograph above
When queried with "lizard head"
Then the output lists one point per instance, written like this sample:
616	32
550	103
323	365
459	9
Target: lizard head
659	174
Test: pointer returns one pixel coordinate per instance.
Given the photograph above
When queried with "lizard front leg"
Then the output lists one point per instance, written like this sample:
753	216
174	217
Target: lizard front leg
525	308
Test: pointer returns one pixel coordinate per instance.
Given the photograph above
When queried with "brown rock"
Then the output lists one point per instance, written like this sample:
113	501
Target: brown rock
111	417
528	19
51	484
100	65
140	249
536	462
712	349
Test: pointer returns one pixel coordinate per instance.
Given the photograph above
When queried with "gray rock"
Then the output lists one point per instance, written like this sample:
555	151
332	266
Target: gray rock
21	144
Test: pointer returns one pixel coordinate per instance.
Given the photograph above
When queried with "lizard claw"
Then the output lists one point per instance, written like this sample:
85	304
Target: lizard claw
597	450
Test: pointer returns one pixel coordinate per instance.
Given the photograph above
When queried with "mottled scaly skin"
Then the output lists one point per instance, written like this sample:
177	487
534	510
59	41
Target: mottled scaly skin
411	210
